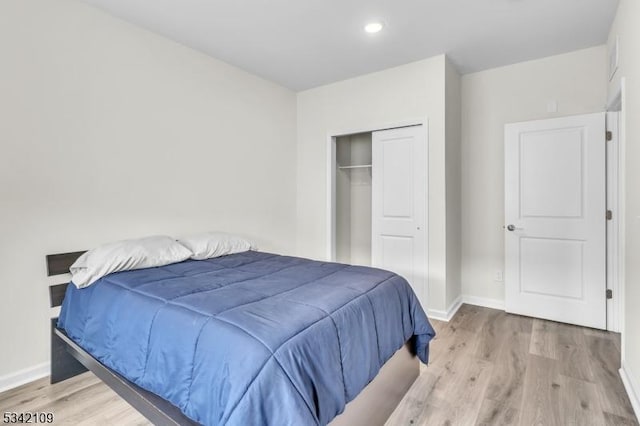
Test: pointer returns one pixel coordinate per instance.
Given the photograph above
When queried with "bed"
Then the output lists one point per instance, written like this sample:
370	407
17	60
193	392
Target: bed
248	338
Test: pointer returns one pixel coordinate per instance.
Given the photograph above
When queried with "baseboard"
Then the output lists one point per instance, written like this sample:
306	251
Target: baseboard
448	314
483	301
22	377
632	388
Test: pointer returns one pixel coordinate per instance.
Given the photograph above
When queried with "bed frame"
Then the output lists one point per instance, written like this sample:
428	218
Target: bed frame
372	406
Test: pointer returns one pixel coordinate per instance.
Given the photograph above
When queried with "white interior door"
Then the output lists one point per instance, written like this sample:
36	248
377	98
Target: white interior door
555	238
398	204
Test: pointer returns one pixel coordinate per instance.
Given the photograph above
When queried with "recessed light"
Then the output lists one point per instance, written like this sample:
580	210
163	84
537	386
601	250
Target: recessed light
374	27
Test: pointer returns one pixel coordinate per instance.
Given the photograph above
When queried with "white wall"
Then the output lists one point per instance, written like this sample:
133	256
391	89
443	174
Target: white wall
453	124
490	99
626	27
108	132
408	92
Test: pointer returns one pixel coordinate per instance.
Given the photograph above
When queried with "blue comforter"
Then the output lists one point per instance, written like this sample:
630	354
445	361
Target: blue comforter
251	338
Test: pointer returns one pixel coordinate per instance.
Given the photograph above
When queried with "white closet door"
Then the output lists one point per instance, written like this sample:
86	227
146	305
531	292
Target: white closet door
398	202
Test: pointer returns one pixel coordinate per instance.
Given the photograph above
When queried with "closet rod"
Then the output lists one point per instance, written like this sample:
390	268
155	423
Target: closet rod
362	166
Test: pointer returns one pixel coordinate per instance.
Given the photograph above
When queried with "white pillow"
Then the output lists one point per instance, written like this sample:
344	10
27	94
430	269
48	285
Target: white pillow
215	244
124	256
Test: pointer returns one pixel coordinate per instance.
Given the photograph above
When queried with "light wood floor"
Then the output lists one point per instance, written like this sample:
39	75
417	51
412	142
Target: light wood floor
492	368
487	368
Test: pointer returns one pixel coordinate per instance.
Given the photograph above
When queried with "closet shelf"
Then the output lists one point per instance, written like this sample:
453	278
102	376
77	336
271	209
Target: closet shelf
360	166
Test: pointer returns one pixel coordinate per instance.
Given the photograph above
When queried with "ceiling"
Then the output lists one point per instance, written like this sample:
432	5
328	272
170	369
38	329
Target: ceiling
302	44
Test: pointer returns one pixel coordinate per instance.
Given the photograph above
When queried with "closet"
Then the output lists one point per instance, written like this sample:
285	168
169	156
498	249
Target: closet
380	201
353	199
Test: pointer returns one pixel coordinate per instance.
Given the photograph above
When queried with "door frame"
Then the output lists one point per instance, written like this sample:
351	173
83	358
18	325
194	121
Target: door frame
616	203
331	181
613	225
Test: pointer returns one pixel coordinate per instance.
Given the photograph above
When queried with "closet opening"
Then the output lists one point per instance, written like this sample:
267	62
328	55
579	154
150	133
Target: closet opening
353	199
377	196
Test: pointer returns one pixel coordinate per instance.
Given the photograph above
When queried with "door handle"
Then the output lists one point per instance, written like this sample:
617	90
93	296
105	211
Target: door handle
512	228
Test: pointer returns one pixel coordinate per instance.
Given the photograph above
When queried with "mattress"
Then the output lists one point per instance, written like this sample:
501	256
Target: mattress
250	338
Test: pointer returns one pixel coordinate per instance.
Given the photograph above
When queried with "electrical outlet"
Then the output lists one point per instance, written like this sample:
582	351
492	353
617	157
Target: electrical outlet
498	276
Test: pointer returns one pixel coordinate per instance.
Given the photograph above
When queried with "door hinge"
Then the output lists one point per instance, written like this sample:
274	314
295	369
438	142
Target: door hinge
609	294
609	136
609	215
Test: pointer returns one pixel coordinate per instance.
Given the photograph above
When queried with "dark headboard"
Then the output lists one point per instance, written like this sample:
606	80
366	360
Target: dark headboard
58	264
